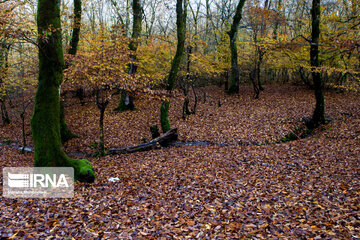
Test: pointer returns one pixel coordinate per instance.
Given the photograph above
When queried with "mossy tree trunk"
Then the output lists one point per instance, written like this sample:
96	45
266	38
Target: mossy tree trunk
235	76
164	116
66	134
181	14
181	34
45	122
319	112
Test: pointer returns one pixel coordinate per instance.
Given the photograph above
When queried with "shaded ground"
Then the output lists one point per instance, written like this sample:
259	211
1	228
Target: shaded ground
296	190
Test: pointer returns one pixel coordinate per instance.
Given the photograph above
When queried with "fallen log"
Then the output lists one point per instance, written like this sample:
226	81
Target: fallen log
163	141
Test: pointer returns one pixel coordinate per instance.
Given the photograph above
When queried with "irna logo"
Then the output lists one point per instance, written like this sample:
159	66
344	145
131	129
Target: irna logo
36	180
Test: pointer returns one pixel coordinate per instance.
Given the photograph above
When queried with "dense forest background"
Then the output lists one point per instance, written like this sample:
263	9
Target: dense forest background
198	119
273	42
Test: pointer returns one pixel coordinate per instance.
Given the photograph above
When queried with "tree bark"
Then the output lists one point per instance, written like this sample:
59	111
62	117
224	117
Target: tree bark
164	140
235	76
74	42
102	107
181	13
318	117
137	18
4	114
164	116
4	65
65	132
181	33
45	122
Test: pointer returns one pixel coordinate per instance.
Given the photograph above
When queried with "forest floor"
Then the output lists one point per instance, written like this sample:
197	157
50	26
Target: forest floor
254	189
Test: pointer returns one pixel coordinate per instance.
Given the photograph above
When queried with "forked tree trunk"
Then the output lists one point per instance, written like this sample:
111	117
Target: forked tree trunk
235	76
318	117
45	122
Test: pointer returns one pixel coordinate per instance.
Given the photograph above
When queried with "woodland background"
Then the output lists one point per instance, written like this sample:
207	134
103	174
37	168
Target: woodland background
245	165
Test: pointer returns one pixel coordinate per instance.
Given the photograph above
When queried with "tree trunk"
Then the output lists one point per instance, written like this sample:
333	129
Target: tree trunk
101	106
65	132
76	28
319	112
101	127
277	20
181	33
45	122
181	13
164	116
235	76
161	141
126	102
137	18
22	116
4	65
4	114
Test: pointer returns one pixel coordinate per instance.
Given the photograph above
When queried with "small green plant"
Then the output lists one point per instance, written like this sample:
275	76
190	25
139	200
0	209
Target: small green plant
296	134
7	141
94	145
154	131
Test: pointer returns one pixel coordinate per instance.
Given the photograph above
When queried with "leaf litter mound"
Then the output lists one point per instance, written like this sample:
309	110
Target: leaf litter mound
305	189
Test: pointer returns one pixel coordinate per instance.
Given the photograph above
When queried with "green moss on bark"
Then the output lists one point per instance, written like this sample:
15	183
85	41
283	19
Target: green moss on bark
45	122
235	76
181	34
164	116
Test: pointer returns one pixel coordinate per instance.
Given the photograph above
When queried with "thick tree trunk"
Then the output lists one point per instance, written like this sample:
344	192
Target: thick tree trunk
319	112
235	76
45	122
